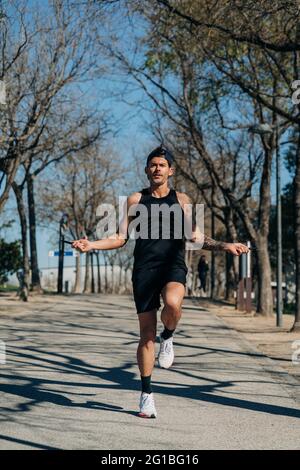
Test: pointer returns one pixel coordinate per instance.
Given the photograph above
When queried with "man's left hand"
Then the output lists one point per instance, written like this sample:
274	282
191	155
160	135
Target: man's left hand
236	248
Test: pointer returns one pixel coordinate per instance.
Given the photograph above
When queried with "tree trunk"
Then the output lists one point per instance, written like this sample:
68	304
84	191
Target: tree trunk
265	295
35	275
92	271
296	326
98	272
87	283
213	256
76	289
125	280
112	279
121	285
24	287
231	262
105	276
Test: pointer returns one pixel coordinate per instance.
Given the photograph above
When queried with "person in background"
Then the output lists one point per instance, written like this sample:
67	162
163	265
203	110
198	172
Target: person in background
202	271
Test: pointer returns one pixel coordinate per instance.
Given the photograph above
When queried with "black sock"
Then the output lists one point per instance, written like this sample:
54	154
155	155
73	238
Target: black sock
166	334
146	384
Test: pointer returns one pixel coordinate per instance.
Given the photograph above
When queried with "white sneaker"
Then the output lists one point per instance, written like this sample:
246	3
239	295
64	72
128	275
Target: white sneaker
147	406
166	353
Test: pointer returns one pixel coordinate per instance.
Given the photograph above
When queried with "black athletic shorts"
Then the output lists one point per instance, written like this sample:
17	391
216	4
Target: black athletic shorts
148	283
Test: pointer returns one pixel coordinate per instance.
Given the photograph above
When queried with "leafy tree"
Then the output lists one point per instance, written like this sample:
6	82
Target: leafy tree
10	259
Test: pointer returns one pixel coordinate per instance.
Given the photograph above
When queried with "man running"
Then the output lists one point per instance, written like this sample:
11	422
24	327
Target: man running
159	267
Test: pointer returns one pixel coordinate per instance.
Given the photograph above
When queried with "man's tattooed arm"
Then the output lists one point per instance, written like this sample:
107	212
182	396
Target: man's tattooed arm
213	245
195	235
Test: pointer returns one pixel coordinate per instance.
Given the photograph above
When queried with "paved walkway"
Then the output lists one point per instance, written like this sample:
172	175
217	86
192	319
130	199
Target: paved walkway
71	382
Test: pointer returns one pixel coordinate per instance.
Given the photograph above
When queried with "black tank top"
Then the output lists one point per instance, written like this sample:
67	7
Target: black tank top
164	245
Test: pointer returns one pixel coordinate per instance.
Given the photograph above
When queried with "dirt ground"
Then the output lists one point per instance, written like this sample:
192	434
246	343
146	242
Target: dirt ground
263	333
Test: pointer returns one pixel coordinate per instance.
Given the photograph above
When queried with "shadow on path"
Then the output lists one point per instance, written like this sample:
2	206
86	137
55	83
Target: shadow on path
116	378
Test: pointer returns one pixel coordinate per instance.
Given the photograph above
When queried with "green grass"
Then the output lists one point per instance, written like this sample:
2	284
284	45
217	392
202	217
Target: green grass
289	309
8	288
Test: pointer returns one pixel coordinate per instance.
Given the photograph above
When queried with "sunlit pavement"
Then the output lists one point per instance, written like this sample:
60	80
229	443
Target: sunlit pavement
71	382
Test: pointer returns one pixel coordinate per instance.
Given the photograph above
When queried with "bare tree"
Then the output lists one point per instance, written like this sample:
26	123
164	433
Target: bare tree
40	127
82	182
268	30
171	57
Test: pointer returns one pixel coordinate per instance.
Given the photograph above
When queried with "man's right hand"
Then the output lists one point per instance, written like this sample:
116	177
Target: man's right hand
82	245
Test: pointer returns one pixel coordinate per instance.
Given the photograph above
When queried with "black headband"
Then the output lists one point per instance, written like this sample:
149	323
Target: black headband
161	151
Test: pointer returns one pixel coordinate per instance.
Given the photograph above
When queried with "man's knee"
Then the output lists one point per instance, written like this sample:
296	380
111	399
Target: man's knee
173	308
147	337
